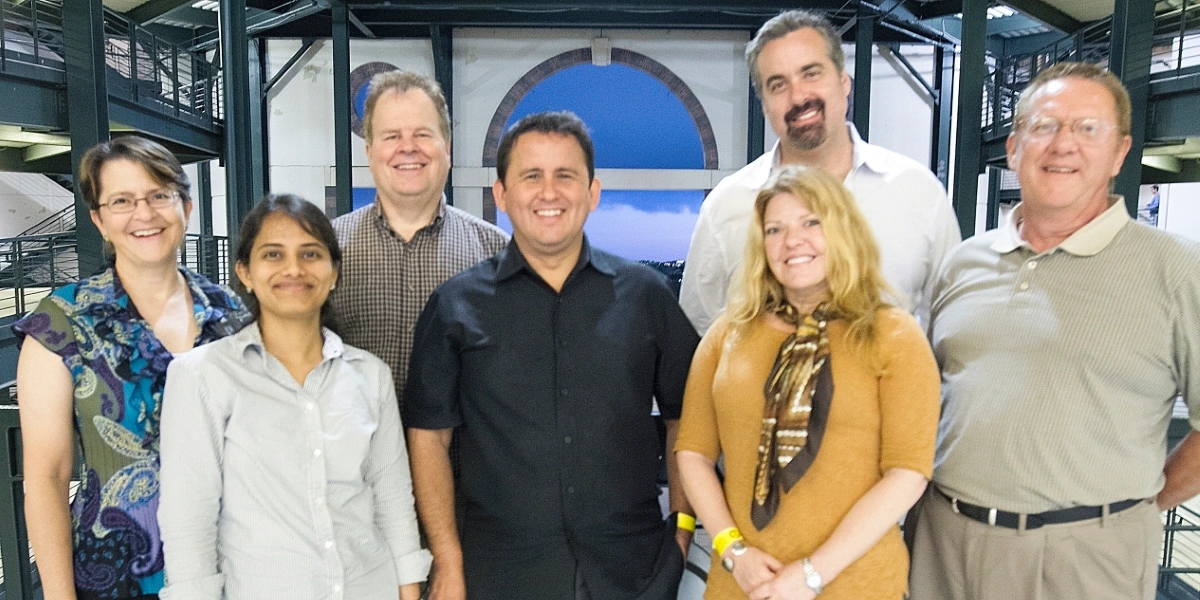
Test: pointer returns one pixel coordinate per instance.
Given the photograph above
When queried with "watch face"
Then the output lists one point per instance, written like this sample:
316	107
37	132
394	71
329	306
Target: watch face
727	562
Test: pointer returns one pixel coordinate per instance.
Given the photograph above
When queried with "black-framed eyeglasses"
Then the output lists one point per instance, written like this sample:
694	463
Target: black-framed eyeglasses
1087	130
127	204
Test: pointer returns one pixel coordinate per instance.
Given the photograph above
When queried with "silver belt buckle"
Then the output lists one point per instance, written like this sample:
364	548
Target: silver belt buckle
954	505
992	517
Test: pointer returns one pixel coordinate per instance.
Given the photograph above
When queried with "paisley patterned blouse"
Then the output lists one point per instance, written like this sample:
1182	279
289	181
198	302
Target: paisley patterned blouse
119	368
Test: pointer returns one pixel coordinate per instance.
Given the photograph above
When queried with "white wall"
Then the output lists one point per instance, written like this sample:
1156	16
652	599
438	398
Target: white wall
487	62
28	198
901	110
1179	208
301	110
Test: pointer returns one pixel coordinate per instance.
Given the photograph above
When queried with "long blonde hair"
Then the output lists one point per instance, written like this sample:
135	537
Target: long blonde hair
856	284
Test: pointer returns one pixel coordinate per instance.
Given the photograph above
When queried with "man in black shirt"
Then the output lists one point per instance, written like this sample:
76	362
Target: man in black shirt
547	357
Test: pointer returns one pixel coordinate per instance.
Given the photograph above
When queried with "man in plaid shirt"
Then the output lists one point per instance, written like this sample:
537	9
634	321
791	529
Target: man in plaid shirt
399	248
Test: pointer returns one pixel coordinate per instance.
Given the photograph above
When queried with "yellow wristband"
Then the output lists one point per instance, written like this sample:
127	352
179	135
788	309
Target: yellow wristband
685	522
724	539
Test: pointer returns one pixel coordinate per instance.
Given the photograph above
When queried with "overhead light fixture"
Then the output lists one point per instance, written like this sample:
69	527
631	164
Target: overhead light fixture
601	51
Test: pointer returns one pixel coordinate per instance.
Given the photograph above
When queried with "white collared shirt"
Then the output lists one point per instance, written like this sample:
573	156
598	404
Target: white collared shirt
273	489
904	203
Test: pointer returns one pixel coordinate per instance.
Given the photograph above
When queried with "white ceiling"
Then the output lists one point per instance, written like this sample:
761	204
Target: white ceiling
1083	10
122	6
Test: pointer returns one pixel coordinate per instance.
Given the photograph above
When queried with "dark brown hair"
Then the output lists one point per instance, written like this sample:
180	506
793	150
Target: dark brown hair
304	213
159	163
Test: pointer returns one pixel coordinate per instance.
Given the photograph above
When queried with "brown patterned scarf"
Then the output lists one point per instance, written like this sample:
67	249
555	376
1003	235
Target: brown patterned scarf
798	393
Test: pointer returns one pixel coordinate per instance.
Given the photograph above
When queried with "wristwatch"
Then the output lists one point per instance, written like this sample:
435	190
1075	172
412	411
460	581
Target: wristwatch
736	549
812	578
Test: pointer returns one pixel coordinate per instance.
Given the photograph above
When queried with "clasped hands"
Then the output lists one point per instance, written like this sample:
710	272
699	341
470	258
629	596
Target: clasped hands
763	577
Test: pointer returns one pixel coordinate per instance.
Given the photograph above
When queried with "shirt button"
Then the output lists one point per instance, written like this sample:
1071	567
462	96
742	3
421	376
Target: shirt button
562	393
337	588
567	440
562	344
328	543
310	406
1024	286
1032	265
317	452
570	489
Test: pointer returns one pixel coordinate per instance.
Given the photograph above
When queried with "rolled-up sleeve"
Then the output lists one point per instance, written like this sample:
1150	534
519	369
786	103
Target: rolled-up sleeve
192	449
391	483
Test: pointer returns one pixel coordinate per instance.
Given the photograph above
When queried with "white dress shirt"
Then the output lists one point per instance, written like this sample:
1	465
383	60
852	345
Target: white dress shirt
905	205
272	489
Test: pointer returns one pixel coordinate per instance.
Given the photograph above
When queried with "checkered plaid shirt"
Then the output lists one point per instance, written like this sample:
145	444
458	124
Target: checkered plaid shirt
386	281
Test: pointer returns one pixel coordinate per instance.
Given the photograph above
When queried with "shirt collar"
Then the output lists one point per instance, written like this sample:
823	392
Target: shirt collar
513	262
380	219
250	337
1089	240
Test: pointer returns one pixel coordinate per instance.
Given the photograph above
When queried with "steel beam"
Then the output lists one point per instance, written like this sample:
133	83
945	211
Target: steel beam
1047	14
342	107
756	128
443	69
864	43
968	160
32	103
87	109
204	196
260	171
305	44
993	198
1132	38
943	106
239	148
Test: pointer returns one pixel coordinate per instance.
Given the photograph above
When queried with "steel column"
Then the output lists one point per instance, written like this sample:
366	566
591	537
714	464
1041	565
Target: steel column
239	147
260	171
943	105
1132	38
756	127
443	69
87	110
341	108
208	249
864	43
993	198
968	158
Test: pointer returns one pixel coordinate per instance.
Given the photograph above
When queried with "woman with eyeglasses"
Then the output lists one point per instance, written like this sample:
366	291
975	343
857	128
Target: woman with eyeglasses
93	364
823	400
284	470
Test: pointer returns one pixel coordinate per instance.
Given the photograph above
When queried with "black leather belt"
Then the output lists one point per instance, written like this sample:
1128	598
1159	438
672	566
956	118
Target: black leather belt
1011	520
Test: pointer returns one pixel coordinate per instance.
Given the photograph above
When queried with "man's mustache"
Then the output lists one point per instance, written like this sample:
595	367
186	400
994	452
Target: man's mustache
796	111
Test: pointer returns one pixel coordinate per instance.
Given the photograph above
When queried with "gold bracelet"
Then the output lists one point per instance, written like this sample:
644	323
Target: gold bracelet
724	539
685	522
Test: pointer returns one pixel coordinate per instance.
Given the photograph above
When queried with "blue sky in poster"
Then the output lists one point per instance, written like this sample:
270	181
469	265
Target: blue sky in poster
636	123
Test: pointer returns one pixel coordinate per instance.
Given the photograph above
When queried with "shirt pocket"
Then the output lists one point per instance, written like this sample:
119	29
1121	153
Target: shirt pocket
351	418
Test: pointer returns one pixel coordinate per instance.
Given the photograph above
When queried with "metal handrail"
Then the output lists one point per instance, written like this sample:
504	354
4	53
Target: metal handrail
1176	50
150	70
14	538
63	220
33	265
143	67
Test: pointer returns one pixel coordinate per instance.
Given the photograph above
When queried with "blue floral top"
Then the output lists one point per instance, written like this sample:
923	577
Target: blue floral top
119	368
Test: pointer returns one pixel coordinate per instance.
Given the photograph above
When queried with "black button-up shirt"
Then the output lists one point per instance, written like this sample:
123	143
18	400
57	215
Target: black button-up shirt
554	392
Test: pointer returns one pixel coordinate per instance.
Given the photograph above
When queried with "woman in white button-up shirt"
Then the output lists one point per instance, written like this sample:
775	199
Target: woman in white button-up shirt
284	470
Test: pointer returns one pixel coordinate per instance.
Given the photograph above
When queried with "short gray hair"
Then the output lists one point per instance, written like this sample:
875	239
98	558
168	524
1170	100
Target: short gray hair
784	23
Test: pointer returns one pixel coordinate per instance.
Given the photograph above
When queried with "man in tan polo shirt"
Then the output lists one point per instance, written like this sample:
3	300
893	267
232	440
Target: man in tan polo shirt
1064	338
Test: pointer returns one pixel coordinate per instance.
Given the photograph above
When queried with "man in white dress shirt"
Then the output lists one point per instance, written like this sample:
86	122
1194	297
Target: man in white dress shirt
797	67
